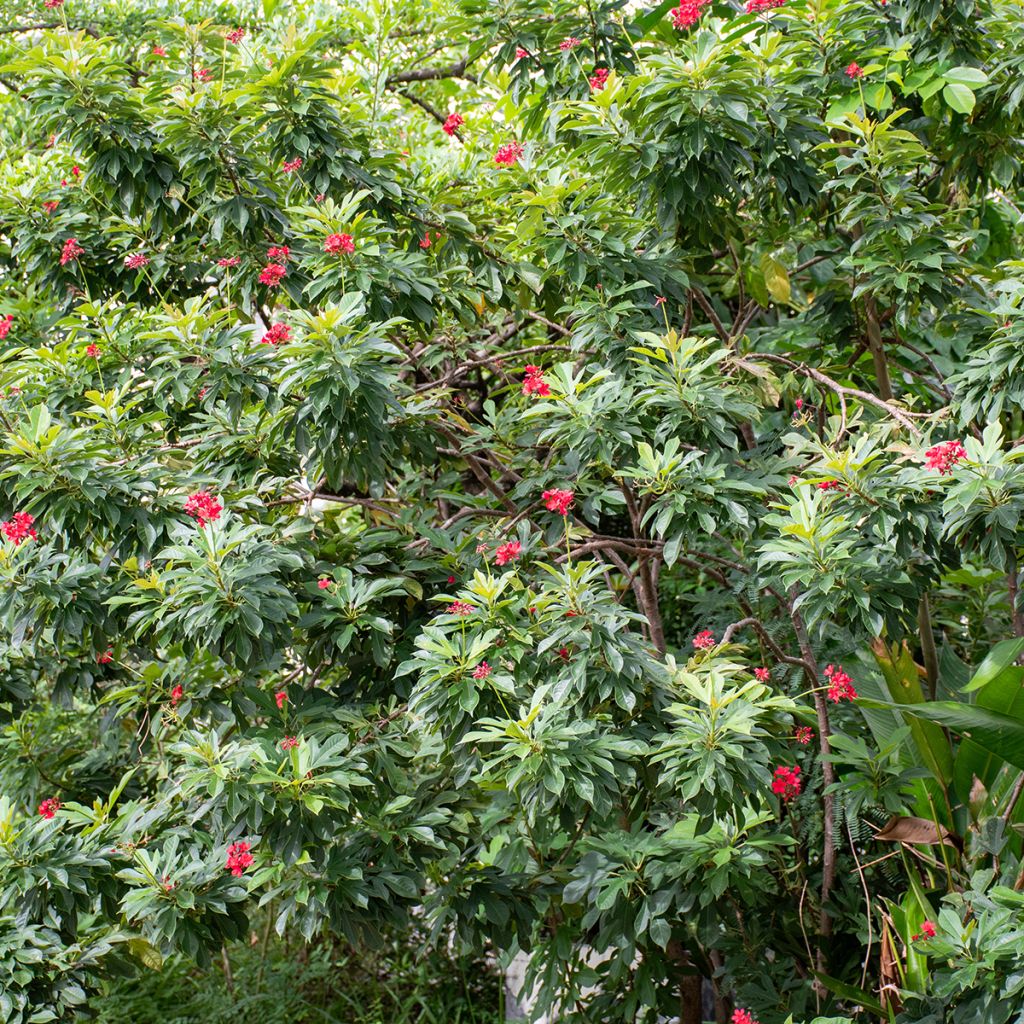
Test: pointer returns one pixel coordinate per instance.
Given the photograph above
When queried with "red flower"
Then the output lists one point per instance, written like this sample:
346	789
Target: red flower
49	807
534	382
521	54
281	698
854	70
830	485
742	1017
460	608
93	351
323	584
51	4
945	456
453	122
19	527
762	675
558	501
928	929
804	735
203	507
291	166
136	260
482	671
202	74
687	13
563	653
158	51
236	35
451	579
786	782
425	241
599	79
288	742
71	251
176	694
229	261
704	640
239	858
277	335
840	685
508	552
5	326
50	205
336	244
756	6
659	300
508	154
569	43
272	273
106	657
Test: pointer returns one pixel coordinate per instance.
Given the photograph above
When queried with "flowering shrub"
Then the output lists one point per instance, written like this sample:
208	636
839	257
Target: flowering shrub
588	523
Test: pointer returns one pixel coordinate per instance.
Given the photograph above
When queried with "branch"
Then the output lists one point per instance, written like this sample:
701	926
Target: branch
456	70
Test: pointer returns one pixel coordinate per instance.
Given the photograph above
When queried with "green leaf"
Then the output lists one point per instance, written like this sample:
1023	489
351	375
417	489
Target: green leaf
965	75
959	97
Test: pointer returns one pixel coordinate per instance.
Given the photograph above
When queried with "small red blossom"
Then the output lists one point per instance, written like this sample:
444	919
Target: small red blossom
928	929
563	653
272	273
482	671
278	334
451	579
558	501
804	735
521	54
599	79
19	527
239	858
52	4
50	205
278	254
704	640
830	485
508	552
106	657
291	166
945	456
460	608
136	260
280	698
236	35
337	244
229	261
158	51
854	70
319	197
202	74
799	403
93	351
425	241
742	1017
786	782
659	300
71	251
203	507
452	123
323	583
5	326
687	13
757	6
534	382
177	693
289	742
49	807
840	685
569	43
762	675
508	154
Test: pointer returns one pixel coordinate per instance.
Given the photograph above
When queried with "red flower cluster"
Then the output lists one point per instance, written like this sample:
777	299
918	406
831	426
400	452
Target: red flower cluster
239	858
742	1017
136	260
203	74
272	273
106	657
786	782
229	261
804	735
482	671
278	254
762	675
71	251
945	456
50	205
203	507
756	6
534	382
323	584
558	501
52	4
830	485
19	527
280	698
336	244
854	70
508	154
452	123
508	552
288	742
521	54
158	51
840	685
704	640
569	43
176	694
277	335
291	166
49	807
93	351
236	35
460	608
687	13
599	79
5	326
928	930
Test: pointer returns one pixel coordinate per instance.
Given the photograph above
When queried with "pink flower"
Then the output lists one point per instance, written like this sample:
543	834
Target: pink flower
804	735
52	4
508	154
460	608
272	273
277	335
599	79
854	70
928	929
158	51
278	254
521	54
323	583
756	6
534	382
786	782
558	501
5	325
50	205
945	456
229	261
291	166
136	260
508	552
71	251
569	43
280	698
659	300
289	742
742	1017
687	13
704	640
840	685
336	244
203	507
19	527
319	197
176	694
482	671
453	122
49	807
762	675
236	35
239	858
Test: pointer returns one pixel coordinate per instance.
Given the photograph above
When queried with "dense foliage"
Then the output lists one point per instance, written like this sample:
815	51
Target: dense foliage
545	473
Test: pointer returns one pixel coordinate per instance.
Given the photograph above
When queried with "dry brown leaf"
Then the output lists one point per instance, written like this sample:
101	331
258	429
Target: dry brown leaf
916	831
